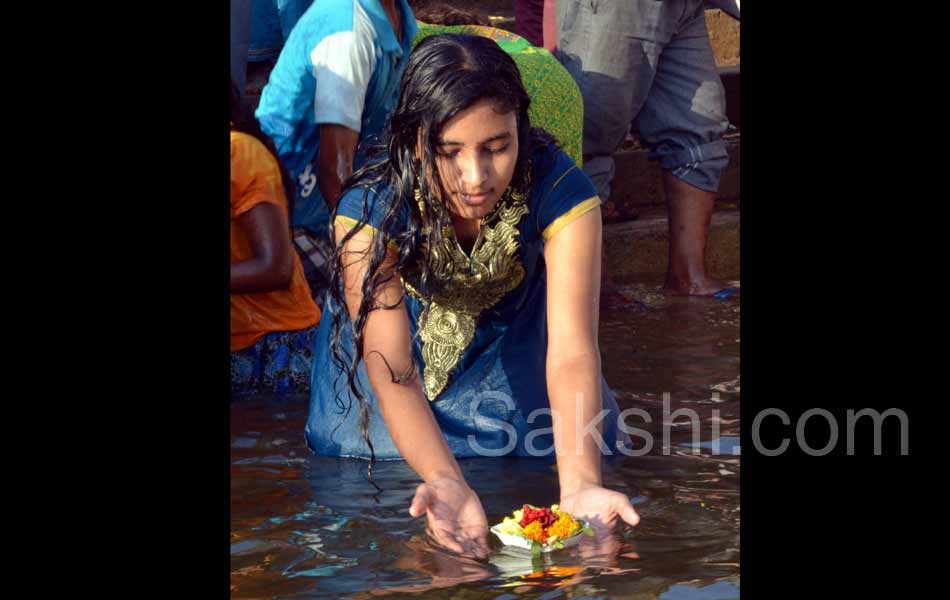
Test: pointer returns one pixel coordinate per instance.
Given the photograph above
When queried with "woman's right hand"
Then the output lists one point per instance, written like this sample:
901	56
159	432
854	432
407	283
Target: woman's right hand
455	515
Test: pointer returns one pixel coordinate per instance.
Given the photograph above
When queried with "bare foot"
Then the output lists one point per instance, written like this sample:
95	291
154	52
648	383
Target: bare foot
705	286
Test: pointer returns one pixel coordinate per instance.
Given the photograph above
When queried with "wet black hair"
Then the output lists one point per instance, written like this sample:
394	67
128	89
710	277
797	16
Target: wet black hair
436	12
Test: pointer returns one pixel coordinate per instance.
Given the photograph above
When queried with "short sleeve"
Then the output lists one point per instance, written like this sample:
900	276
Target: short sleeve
564	193
376	204
255	175
343	64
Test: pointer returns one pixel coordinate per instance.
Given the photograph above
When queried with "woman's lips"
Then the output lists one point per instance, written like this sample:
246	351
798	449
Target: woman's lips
474	199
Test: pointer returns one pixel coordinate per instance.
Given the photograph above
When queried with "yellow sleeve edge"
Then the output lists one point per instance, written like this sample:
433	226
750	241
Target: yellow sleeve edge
564	220
350	223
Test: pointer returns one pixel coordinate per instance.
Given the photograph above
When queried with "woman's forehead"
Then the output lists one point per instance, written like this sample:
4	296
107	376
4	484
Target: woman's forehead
479	123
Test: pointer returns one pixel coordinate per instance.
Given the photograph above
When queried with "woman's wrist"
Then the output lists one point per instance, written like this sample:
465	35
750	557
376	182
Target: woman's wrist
574	483
443	473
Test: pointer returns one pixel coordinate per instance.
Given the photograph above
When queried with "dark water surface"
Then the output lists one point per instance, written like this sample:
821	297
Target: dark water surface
313	527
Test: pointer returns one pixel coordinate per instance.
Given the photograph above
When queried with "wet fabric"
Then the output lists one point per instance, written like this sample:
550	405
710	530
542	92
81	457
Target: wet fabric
651	63
491	399
277	363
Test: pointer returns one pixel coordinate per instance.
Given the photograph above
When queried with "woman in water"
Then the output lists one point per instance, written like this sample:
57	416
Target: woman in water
439	326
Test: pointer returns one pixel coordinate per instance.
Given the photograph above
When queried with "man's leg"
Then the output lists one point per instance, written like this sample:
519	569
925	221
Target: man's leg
690	211
683	120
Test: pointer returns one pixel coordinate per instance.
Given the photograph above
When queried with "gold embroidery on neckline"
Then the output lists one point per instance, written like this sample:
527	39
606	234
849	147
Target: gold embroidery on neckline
467	285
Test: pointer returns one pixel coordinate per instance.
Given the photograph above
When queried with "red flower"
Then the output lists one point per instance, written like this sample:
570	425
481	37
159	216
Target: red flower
531	514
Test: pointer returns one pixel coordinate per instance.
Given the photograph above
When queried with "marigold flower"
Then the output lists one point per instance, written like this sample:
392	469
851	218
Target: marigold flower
534	531
563	527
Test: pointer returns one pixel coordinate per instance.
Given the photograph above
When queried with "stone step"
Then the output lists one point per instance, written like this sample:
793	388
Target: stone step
637	182
724	36
639	249
723	29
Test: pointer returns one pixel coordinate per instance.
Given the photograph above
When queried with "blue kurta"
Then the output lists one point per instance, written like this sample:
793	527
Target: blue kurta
483	366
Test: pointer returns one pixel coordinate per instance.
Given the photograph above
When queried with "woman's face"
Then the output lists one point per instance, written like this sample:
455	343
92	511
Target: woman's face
476	155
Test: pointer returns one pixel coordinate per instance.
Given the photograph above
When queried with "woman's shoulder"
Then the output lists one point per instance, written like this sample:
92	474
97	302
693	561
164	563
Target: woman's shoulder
549	162
367	202
560	189
372	193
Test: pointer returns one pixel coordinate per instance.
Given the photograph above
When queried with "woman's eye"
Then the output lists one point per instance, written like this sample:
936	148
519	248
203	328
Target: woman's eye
498	150
452	154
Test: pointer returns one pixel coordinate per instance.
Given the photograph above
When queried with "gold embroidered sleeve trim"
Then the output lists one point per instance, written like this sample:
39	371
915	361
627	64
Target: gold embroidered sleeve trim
351	223
567	218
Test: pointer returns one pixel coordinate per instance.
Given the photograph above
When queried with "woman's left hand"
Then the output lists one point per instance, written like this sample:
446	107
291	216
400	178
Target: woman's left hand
600	507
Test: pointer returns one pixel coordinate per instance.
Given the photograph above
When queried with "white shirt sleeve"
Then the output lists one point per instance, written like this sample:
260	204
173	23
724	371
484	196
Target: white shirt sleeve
342	65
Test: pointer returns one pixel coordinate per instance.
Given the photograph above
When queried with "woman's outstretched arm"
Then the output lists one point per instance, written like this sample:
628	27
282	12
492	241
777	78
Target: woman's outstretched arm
574	372
454	513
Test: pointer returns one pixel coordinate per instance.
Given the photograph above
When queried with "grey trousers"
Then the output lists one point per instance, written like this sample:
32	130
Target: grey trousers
650	62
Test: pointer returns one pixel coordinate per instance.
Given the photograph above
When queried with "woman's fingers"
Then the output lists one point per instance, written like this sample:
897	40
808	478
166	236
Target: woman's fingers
480	548
474	547
446	539
450	523
420	502
627	513
452	545
624	510
475	535
462	540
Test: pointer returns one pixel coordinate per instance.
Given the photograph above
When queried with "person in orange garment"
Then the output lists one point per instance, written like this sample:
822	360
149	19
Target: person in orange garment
273	317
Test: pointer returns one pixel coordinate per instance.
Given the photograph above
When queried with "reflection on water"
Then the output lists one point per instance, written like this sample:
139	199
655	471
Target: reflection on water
313	527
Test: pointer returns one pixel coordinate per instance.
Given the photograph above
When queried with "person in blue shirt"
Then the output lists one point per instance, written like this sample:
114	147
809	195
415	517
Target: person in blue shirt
440	339
334	84
271	24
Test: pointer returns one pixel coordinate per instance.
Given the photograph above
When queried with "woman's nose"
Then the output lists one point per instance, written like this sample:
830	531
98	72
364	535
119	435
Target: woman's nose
475	172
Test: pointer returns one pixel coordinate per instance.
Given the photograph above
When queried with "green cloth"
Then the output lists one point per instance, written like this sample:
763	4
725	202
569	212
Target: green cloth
556	103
